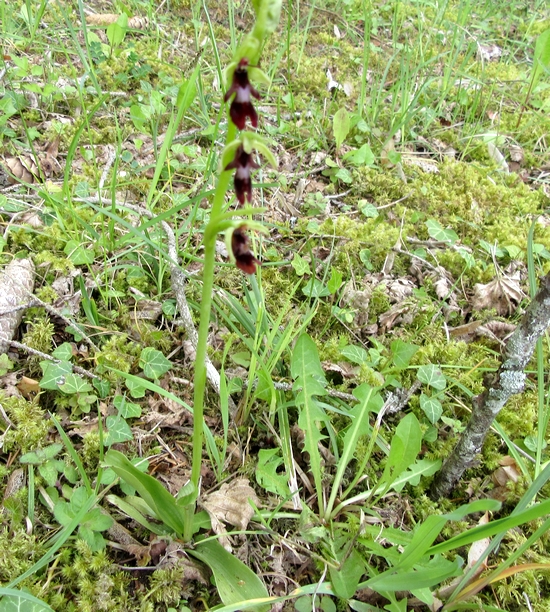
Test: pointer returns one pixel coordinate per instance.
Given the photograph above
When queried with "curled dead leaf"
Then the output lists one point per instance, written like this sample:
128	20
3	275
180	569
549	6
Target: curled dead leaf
477	549
29	168
503	294
230	504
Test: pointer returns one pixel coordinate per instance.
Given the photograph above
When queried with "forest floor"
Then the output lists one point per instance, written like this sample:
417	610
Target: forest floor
407	225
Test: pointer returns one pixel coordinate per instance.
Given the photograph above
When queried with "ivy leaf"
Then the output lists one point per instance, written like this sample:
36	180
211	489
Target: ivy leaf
74	383
356	354
300	265
335	281
432	376
64	352
118	430
126	409
438	232
79	254
14	600
314	288
41	455
360	157
431	407
153	363
54	374
402	353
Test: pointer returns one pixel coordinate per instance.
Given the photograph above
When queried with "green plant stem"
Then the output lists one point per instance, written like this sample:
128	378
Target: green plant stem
209	242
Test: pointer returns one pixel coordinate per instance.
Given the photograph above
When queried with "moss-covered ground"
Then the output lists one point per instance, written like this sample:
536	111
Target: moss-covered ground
410	204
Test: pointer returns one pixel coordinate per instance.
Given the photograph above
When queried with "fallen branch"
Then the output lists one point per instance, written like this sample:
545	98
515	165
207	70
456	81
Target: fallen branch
509	380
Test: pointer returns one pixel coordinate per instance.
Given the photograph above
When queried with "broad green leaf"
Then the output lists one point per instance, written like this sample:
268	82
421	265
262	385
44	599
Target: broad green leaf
153	363
50	470
427	531
365	257
468	258
345	579
541	57
300	265
117	31
431	375
335	281
78	253
360	157
269	460
370	400
438	232
241	358
437	570
405	446
356	354
402	353
235	581
14	600
135	386
368	209
135	514
340	126
344	175
156	104
54	374
118	430
95	540
138	116
5	364
154	494
306	369
422	467
431	407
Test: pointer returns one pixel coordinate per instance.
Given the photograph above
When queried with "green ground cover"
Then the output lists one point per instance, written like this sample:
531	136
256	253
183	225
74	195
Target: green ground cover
405	227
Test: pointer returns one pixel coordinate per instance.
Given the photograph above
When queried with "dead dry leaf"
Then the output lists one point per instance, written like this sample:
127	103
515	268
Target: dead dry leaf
31	169
503	294
230	504
477	549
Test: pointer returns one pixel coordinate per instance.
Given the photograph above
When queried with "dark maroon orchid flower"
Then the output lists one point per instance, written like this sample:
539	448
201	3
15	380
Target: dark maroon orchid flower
241	105
242	164
244	258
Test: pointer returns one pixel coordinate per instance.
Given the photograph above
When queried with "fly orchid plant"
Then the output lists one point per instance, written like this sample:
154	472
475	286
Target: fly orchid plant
237	159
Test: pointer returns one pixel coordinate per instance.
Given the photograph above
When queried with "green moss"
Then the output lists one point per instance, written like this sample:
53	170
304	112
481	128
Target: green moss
31	424
54	263
18	552
118	353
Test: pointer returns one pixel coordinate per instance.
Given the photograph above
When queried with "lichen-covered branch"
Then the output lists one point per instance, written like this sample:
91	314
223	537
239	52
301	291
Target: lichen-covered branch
178	286
509	380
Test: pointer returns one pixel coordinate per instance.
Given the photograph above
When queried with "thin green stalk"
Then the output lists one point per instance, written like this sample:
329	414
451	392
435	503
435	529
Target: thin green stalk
210	234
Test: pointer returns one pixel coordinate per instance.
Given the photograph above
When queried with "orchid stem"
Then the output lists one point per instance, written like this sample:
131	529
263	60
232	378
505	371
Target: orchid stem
210	234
